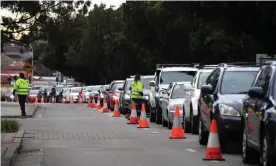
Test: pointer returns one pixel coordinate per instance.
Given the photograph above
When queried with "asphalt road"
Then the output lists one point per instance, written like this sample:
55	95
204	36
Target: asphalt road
75	135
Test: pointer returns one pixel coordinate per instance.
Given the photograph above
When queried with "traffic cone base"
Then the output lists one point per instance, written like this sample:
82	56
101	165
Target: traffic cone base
177	130
104	109
143	122
213	151
133	119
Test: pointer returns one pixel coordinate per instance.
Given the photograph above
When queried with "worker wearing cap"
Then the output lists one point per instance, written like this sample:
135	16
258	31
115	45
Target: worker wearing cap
137	94
21	88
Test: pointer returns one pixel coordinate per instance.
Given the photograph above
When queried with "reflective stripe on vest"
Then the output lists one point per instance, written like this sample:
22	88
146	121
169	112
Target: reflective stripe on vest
23	87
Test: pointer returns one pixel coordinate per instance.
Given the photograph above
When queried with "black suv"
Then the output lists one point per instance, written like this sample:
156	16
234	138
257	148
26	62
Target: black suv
259	127
221	98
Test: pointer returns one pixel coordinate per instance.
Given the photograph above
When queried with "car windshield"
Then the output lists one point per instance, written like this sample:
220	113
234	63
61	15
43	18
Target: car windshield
89	88
74	90
65	90
96	88
48	88
117	86
58	89
176	76
33	92
202	79
178	91
237	82
146	81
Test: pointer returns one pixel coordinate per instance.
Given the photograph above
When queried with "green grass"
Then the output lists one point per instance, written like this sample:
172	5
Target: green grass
9	126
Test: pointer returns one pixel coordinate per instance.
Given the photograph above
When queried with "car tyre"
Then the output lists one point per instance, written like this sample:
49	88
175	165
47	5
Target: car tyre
164	122
152	116
202	135
248	155
158	117
266	159
169	124
194	121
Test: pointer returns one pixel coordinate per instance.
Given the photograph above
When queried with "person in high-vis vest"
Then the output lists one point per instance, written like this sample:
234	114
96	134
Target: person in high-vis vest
21	88
136	94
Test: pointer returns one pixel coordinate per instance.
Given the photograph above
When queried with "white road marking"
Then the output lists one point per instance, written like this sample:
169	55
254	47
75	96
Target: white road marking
155	132
215	161
190	150
147	129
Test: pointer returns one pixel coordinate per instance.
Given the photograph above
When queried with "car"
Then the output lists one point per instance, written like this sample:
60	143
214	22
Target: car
103	93
95	91
171	98
164	75
191	99
32	95
221	99
110	93
65	92
115	95
74	93
85	93
45	92
259	118
59	93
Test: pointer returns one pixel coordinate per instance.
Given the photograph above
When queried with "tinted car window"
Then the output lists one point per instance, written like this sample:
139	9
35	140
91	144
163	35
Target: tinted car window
202	79
237	82
145	82
178	91
176	76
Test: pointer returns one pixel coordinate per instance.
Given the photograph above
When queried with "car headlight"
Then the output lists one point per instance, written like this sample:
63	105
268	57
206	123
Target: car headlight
146	97
228	110
127	97
177	105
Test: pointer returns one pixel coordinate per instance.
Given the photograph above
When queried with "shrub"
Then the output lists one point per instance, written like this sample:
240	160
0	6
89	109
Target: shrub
9	126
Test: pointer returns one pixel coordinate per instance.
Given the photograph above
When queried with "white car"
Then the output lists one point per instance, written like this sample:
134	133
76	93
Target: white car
86	92
192	97
74	92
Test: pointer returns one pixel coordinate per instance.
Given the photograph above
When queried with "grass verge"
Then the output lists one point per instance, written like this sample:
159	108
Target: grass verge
9	126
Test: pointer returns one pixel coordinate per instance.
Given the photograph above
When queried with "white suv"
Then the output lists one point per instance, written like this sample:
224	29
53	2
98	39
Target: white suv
192	97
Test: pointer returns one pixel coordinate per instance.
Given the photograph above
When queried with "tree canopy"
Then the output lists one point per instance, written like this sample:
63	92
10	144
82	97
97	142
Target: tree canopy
108	43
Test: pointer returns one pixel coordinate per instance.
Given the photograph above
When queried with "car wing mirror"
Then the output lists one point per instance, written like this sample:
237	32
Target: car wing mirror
207	89
256	92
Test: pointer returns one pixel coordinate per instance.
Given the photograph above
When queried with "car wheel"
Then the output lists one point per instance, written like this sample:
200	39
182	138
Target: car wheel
158	117
187	126
248	156
194	121
202	135
152	116
266	159
169	124
164	122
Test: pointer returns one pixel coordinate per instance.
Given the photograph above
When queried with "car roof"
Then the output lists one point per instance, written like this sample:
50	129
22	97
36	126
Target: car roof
178	69
239	68
147	76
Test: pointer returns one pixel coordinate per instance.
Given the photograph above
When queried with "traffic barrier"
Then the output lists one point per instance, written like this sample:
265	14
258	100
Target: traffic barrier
63	100
143	122
53	99
99	104
213	151
104	109
89	102
72	100
116	112
42	99
133	119
177	131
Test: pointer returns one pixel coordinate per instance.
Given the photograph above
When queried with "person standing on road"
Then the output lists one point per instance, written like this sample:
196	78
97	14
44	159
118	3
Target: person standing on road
136	94
21	88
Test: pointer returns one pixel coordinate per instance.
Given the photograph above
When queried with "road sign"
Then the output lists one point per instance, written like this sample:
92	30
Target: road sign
28	67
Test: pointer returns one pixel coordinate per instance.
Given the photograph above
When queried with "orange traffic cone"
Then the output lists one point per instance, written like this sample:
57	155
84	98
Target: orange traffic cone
63	100
36	100
133	119
177	130
89	102
53	99
72	100
213	151
80	99
93	105
42	99
104	109
99	104
116	112
143	122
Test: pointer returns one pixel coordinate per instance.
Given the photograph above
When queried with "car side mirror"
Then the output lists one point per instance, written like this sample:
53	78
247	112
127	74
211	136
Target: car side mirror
206	89
152	83
120	89
256	92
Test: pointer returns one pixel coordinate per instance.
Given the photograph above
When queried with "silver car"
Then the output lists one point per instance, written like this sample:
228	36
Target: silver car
169	99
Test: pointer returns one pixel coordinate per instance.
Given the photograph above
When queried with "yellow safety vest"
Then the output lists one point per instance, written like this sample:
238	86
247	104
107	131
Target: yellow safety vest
21	86
136	88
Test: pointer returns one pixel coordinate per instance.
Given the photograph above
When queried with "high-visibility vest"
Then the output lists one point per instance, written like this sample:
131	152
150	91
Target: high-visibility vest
136	88
21	86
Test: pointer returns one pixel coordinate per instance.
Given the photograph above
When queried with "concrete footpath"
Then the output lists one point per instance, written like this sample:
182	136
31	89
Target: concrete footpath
12	110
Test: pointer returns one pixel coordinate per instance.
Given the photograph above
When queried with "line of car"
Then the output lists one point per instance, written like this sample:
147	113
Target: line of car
241	97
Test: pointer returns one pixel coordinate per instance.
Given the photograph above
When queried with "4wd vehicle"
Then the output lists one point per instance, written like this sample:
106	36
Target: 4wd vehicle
221	99
113	93
191	98
259	118
164	75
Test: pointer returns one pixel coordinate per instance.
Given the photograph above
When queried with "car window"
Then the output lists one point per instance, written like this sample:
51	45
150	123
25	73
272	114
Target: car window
146	82
58	89
115	85
65	90
74	90
96	88
202	79
264	79
89	88
176	76
178	91
237	82
33	92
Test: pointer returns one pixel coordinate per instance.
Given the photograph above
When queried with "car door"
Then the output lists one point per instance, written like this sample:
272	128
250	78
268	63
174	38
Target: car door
257	106
188	95
165	103
122	94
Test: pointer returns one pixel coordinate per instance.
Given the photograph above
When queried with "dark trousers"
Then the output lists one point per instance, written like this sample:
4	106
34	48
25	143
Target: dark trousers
138	103
22	101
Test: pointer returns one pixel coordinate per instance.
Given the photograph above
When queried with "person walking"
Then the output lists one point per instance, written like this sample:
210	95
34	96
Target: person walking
136	95
21	88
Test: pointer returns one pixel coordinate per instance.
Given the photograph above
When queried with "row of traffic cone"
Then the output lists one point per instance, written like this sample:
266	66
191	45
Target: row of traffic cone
213	151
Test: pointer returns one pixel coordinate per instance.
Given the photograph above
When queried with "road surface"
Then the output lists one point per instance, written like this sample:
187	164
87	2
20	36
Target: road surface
75	135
